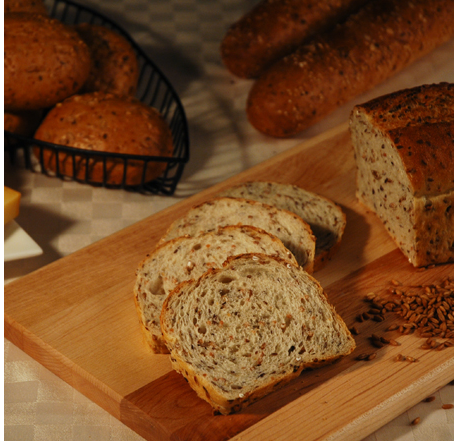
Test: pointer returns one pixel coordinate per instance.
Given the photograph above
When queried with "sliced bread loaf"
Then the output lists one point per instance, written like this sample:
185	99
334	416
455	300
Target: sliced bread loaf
404	151
294	232
241	331
187	258
325	217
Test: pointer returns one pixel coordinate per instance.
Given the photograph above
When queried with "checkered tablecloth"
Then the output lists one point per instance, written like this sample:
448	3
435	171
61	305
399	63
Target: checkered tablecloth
182	37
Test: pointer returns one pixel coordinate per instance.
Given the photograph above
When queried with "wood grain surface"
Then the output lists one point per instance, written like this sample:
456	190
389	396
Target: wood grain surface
76	316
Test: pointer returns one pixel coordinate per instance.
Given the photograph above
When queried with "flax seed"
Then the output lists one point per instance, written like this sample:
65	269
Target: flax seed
429	399
448	406
416	421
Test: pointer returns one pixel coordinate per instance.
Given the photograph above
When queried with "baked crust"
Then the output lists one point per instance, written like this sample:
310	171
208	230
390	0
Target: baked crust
109	123
45	61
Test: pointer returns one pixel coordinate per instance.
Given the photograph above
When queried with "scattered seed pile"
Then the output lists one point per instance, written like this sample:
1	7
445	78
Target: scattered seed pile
427	310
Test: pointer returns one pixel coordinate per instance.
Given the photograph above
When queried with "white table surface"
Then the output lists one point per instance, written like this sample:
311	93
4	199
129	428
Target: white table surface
182	37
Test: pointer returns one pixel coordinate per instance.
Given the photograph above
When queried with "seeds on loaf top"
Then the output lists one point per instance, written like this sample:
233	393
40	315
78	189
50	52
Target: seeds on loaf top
244	330
324	216
294	232
185	258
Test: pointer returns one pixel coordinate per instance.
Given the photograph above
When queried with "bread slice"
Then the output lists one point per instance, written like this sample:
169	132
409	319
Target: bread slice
241	331
404	150
325	217
187	258
295	233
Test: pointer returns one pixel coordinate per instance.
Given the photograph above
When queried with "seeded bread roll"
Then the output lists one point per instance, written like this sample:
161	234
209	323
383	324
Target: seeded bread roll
114	64
295	234
325	217
109	123
275	28
242	331
30	6
44	61
22	123
187	258
369	47
404	150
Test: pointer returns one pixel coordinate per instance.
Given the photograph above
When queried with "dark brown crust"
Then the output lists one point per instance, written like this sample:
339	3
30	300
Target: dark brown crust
371	46
106	122
114	64
30	6
45	61
420	123
275	28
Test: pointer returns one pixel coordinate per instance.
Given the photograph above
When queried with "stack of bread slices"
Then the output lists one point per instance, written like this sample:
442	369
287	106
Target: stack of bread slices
228	292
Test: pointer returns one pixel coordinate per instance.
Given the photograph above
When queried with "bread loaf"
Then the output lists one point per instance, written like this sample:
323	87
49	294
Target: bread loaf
114	66
378	41
275	28
108	123
325	217
187	258
404	150
244	330
44	61
295	234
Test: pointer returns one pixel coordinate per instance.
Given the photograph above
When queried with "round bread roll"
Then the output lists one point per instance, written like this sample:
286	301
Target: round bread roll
30	6
45	61
114	63
109	123
22	123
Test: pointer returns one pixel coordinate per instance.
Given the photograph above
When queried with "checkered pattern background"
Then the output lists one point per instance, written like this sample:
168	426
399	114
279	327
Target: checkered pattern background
182	37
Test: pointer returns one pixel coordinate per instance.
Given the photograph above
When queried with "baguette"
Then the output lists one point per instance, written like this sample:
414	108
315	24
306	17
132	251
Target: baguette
244	330
325	217
404	150
275	28
295	233
370	46
187	258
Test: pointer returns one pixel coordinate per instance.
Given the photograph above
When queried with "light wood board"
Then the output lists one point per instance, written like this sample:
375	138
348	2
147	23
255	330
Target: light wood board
76	316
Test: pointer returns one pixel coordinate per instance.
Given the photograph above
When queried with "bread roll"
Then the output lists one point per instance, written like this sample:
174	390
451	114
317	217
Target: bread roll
23	123
404	150
275	28
381	39
45	61
114	64
108	123
30	6
246	329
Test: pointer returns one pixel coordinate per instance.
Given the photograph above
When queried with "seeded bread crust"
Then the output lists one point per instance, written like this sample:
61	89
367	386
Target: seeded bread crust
378	41
325	217
274	28
114	66
404	149
187	258
294	232
100	121
241	331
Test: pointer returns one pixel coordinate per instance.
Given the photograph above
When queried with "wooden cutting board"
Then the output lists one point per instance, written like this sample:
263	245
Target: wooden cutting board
76	316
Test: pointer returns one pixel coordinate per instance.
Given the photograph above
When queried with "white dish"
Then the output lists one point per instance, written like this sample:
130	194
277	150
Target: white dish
18	244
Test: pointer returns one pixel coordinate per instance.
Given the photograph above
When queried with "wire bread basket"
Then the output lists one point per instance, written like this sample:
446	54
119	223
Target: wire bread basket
153	89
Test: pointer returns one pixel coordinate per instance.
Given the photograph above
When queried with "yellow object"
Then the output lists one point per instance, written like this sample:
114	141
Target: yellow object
11	199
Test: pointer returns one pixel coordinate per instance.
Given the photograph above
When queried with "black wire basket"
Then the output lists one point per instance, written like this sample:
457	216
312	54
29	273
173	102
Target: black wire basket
154	89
